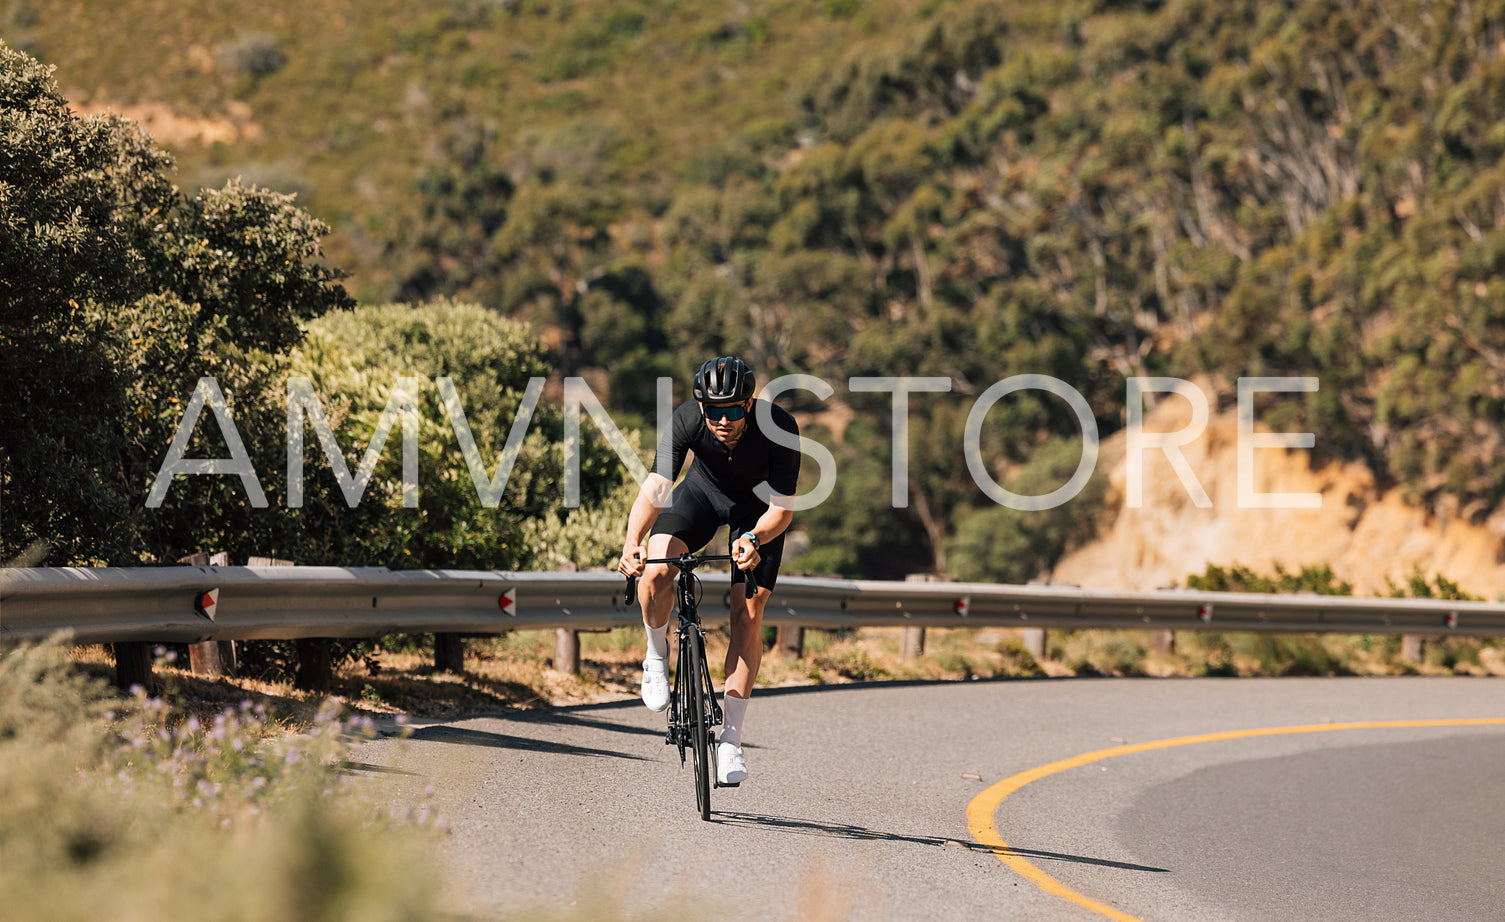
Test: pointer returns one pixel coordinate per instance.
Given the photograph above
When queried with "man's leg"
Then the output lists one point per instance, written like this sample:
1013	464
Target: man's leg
656	588
656	595
745	654
743	657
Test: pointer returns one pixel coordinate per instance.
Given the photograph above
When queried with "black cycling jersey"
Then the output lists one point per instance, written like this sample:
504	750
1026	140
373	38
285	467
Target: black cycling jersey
720	488
734	472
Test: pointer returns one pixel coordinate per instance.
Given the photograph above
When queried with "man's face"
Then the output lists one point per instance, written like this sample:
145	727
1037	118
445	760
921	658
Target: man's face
718	418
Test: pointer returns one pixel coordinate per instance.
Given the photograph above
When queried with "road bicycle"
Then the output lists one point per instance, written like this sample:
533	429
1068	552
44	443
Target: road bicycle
694	712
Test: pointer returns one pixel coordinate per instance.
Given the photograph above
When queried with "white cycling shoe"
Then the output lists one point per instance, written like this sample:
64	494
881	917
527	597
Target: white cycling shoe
655	684
731	768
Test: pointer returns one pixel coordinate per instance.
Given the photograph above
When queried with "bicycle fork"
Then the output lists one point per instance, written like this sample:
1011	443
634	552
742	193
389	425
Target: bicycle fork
679	723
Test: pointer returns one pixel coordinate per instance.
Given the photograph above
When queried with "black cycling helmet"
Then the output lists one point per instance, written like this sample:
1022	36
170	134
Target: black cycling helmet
723	379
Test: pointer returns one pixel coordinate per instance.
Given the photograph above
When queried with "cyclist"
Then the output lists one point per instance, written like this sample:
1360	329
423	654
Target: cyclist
724	426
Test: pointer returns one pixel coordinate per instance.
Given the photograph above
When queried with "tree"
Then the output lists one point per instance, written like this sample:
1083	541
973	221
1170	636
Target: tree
1000	544
116	295
354	360
61	249
463	195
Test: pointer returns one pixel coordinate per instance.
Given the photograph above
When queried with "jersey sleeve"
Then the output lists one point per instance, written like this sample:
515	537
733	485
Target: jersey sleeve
674	445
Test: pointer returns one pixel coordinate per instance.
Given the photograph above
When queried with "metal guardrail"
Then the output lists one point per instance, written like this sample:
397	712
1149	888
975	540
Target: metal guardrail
168	604
191	604
1070	607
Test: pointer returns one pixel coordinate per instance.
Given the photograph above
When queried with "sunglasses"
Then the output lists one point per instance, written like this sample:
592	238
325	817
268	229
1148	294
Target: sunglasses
716	414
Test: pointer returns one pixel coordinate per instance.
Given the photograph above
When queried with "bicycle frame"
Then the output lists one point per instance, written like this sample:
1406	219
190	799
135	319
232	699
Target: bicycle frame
688	632
693	689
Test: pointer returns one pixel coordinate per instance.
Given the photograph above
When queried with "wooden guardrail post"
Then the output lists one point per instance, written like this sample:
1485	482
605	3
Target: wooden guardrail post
912	643
1035	642
210	657
449	653
790	639
1163	642
566	650
1411	647
567	640
133	665
315	666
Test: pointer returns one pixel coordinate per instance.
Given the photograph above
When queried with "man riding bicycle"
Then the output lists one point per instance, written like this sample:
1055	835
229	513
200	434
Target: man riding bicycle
734	457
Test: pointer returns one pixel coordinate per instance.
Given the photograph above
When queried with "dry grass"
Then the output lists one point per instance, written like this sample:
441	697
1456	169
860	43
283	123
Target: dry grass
515	671
119	808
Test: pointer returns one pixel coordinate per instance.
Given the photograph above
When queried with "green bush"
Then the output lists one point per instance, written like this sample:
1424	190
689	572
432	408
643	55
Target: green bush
1210	652
252	54
1017	659
354	360
850	663
120	294
1095	652
1318	578
1418	586
117	808
1287	654
999	544
956	663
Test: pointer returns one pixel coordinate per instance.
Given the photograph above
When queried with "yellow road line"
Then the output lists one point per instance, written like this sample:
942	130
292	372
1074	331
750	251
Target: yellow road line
981	810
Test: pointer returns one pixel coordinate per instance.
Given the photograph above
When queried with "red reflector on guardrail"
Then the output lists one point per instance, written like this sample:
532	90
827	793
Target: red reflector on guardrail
507	601
1451	620
962	606
1204	613
206	602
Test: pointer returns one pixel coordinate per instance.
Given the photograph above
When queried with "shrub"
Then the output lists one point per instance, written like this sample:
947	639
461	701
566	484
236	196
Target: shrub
1017	659
252	54
1099	652
118	808
1287	654
850	663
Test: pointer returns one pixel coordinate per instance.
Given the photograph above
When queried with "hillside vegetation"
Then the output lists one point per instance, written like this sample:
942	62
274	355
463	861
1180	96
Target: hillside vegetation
968	190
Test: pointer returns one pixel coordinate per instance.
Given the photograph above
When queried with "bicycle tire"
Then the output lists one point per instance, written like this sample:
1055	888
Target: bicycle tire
679	708
696	715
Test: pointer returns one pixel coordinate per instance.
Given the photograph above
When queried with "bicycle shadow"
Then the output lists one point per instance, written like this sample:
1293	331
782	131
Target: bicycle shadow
864	834
564	717
467	737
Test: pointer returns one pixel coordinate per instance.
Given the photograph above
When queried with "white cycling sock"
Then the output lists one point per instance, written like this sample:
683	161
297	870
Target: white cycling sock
733	711
658	641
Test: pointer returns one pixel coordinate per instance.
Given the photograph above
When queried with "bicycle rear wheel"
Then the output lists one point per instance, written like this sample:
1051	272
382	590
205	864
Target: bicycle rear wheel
696	715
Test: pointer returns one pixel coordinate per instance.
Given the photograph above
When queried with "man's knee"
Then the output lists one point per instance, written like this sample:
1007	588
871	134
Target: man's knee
659	576
749	612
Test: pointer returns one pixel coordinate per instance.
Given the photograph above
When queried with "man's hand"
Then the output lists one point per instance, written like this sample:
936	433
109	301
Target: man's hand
631	563
745	552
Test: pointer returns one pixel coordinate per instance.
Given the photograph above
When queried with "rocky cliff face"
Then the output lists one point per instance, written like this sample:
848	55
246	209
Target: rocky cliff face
1366	534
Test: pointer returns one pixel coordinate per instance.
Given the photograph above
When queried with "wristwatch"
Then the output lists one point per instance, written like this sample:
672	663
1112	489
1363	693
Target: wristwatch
751	537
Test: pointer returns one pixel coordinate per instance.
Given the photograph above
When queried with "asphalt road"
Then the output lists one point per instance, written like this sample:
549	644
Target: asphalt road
857	805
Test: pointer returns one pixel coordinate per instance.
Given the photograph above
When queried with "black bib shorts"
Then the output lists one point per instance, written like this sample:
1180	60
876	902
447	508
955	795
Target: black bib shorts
696	511
721	487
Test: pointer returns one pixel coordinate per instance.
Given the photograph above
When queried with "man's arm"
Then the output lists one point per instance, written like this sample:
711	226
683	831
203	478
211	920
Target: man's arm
770	525
652	496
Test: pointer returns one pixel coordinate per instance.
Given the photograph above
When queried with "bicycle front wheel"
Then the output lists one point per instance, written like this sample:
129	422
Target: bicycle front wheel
696	715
